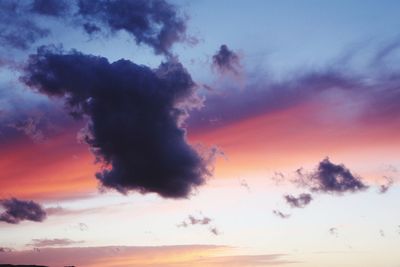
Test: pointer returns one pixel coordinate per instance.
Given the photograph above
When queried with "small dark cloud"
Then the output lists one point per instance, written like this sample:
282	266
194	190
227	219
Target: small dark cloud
200	220
226	61
244	184
56	242
381	233
56	8
333	231
214	231
155	23
192	220
83	227
300	201
91	28
383	188
135	129
331	178
5	250
16	210
281	214
278	177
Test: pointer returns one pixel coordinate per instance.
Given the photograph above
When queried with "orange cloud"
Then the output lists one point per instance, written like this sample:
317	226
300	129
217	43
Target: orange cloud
163	256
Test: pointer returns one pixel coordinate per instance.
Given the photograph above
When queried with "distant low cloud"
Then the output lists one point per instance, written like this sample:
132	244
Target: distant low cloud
381	233
200	220
333	231
331	178
16	210
300	201
5	250
383	188
56	242
226	61
281	214
192	220
244	184
161	256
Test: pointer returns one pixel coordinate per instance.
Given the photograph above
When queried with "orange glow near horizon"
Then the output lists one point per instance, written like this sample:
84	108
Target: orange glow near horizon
61	168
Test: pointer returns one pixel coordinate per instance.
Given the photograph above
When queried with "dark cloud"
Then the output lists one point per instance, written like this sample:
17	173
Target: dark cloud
331	178
300	201
56	242
334	231
5	250
16	210
17	28
83	227
226	61
278	178
192	220
135	118
91	28
201	220
383	188
56	8
244	184
281	214
152	22
155	23
214	231
381	233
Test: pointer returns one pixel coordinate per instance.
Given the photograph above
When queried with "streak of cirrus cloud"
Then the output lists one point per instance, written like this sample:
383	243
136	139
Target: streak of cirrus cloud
370	95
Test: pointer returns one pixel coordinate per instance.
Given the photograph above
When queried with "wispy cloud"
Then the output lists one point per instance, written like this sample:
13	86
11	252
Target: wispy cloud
56	242
165	256
281	214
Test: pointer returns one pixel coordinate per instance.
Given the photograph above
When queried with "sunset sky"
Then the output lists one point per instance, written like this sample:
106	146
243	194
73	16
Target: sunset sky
200	133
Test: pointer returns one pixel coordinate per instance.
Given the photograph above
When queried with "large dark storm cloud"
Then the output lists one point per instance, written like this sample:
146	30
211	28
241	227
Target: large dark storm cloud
152	22
16	210
134	115
332	178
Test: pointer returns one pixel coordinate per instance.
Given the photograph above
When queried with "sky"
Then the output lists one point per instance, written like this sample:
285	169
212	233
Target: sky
199	133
